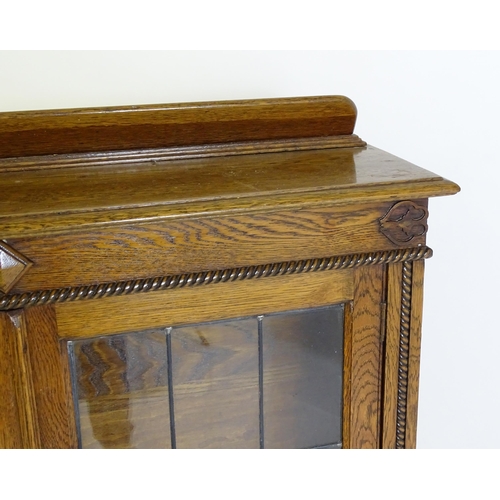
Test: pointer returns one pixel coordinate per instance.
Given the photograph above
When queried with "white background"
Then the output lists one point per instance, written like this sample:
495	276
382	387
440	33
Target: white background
439	110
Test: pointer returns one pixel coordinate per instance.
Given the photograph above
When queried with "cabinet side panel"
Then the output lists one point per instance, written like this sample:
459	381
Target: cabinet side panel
10	429
391	357
51	379
346	376
366	358
414	354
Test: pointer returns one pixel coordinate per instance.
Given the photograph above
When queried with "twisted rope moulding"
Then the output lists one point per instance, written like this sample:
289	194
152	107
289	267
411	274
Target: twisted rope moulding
96	291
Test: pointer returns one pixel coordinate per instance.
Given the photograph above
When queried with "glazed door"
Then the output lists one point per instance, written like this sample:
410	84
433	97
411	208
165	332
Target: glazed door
290	361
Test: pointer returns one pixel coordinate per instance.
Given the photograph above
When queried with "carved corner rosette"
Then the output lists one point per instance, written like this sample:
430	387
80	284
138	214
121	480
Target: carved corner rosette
404	222
12	266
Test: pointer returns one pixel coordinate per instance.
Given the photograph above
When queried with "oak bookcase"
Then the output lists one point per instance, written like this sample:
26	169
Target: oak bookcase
235	274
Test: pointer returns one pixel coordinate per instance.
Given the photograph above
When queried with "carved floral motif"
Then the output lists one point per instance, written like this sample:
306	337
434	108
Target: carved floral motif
404	222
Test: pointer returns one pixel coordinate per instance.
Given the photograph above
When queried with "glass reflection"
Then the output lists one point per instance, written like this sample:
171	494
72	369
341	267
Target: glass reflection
272	381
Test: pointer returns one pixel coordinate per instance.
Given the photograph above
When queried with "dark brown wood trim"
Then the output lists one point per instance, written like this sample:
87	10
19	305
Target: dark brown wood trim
417	291
402	354
406	221
208	277
391	354
70	131
404	350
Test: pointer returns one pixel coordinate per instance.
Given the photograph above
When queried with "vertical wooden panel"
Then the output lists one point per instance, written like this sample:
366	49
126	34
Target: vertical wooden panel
51	379
414	355
216	384
24	383
122	387
393	325
10	428
347	376
366	357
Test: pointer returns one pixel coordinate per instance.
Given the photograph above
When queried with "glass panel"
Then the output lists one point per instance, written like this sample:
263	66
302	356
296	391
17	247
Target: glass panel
122	390
215	373
303	363
269	381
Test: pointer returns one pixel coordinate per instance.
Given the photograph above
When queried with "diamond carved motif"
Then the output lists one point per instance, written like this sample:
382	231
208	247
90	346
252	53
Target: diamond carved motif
12	266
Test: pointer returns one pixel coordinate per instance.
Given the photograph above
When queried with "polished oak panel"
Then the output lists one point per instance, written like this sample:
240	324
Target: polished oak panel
174	247
187	305
366	366
167	125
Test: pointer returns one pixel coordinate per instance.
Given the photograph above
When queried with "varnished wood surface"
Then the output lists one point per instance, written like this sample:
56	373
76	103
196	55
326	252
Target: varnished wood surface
391	354
414	354
152	126
347	380
48	201
12	266
51	379
11	434
131	194
365	409
192	245
23	379
194	305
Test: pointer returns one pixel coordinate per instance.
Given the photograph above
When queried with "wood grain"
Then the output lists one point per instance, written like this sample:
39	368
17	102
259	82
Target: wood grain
391	361
365	411
347	381
139	193
51	379
80	198
136	127
194	305
11	434
414	354
191	245
23	379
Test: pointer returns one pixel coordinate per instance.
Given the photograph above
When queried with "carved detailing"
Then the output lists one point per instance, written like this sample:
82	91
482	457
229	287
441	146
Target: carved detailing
404	222
12	266
404	349
208	277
